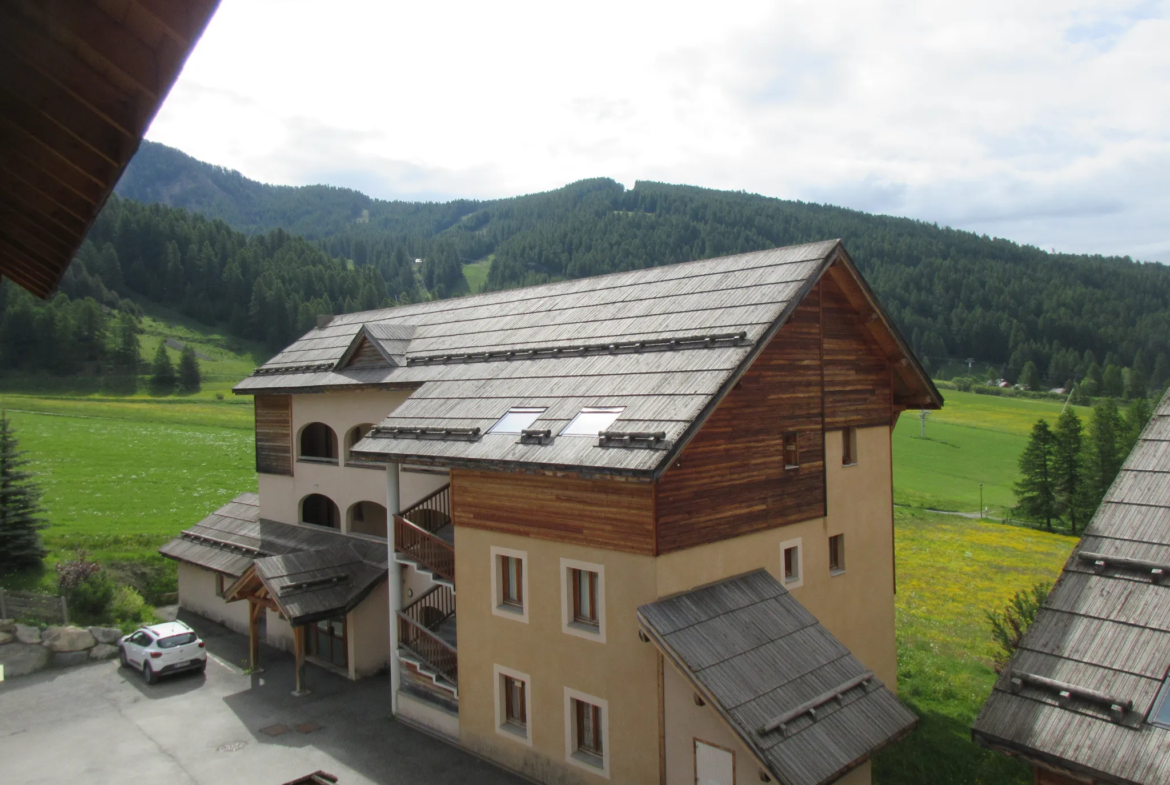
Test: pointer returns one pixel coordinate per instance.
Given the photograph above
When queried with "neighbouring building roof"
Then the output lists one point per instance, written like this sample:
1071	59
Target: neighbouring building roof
1077	695
309	572
793	694
666	343
83	80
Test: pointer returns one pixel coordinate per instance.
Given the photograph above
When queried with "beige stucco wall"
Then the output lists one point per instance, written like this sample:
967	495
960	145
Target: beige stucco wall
280	496
197	594
279	633
368	632
857	606
622	671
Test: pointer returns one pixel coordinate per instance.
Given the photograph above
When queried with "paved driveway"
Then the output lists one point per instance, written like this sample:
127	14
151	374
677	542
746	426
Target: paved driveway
101	724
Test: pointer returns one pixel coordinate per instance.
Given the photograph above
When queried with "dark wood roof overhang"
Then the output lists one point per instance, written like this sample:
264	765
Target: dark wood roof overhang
80	82
799	701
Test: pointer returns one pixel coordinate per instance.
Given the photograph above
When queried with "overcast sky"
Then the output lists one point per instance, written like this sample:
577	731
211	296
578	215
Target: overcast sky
1043	122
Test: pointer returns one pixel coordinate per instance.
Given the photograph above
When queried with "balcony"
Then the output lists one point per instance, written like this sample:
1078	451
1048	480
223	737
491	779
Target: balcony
424	536
427	637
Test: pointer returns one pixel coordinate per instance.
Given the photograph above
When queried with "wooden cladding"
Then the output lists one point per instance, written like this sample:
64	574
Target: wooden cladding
603	513
732	479
367	356
274	448
858	389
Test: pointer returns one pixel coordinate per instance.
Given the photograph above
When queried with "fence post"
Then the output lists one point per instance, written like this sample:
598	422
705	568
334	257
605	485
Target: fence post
64	612
3	605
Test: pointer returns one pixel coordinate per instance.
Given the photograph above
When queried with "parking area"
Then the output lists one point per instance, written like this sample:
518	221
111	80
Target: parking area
102	724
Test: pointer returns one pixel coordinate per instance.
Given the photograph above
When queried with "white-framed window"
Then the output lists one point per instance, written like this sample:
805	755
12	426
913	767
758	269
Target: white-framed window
837	554
849	446
510	583
513	704
591	421
517	419
792	563
587	732
583	599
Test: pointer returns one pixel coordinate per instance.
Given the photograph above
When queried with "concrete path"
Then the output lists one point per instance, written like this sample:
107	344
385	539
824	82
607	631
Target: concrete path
99	724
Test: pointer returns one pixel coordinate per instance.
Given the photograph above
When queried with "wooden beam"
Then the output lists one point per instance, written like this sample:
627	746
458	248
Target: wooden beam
14	213
299	644
254	611
17	265
23	179
27	159
44	254
82	26
52	140
183	19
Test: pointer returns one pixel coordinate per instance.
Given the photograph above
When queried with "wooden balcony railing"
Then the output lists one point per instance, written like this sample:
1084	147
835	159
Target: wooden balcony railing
432	512
418	625
429	550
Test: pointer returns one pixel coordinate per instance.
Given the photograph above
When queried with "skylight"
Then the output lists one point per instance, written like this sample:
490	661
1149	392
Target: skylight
517	420
590	421
1160	715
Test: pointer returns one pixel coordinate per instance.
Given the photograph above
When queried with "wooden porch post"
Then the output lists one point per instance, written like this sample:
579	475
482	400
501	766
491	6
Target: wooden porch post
254	611
299	644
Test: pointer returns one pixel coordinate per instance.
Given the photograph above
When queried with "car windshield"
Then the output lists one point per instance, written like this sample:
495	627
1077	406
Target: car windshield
176	640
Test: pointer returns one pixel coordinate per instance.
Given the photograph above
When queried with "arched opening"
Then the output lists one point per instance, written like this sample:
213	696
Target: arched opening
352	437
368	518
320	511
318	443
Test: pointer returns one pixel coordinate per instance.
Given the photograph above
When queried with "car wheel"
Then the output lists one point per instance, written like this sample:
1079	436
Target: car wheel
122	657
148	674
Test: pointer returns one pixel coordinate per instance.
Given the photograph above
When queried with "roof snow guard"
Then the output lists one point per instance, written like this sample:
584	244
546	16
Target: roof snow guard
1079	693
793	694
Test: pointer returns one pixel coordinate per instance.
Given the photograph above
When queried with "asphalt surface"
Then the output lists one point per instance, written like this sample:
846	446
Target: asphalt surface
99	723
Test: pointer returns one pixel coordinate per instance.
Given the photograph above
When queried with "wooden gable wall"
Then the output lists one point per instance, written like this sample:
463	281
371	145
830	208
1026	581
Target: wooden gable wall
731	479
601	513
367	356
274	449
858	378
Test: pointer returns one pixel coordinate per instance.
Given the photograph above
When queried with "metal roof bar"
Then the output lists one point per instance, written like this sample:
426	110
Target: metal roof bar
1100	561
316	583
399	432
810	707
652	439
609	347
1066	691
203	539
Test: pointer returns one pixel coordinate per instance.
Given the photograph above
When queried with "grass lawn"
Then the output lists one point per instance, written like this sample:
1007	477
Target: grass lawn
476	274
950	571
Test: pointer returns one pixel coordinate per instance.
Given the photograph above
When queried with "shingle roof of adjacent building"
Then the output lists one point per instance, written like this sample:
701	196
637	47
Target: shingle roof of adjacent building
795	696
311	572
665	343
1102	637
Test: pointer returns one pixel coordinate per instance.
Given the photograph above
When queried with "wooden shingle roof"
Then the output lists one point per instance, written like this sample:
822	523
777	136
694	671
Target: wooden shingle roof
806	708
664	343
1105	632
310	572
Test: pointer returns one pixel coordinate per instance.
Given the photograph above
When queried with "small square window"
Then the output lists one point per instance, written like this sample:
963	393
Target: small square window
837	554
791	564
516	420
849	447
513	704
591	422
509	584
587	732
791	451
583	599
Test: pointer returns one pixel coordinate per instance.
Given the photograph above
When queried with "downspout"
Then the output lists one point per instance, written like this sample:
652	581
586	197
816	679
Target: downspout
393	580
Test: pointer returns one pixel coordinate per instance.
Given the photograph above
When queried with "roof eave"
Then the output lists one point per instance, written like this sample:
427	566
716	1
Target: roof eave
483	464
1043	759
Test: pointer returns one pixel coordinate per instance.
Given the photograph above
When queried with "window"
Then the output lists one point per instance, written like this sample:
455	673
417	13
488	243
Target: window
517	420
355	435
837	554
849	447
791	564
590	421
325	640
318	444
513	704
587	732
320	511
791	451
583	599
1160	714
510	582
182	639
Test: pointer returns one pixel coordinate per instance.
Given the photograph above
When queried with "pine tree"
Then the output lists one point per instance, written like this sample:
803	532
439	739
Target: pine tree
20	506
190	379
1035	490
1137	414
1103	453
1092	383
162	372
1073	500
1030	376
126	353
1112	383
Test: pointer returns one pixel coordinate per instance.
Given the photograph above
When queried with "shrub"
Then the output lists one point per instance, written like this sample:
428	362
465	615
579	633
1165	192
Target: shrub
71	574
89	601
1008	627
127	606
156	579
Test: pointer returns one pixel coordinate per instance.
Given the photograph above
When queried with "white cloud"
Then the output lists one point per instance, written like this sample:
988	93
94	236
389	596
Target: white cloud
1046	123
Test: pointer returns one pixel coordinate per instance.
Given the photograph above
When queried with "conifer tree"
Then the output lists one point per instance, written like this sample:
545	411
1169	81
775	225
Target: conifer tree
1074	500
1092	383
1030	376
126	353
190	379
1137	414
162	372
1103	450
1036	489
20	506
1112	383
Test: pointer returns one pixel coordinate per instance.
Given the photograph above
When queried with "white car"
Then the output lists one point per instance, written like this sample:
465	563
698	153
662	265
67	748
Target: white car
162	649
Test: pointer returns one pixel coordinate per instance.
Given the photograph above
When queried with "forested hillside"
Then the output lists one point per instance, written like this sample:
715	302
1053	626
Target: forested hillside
954	294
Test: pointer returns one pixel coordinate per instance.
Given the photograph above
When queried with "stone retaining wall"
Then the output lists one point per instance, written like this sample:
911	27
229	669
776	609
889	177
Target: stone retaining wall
25	649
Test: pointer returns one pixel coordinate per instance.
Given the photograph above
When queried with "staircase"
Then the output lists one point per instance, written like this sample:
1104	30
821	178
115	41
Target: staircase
425	538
